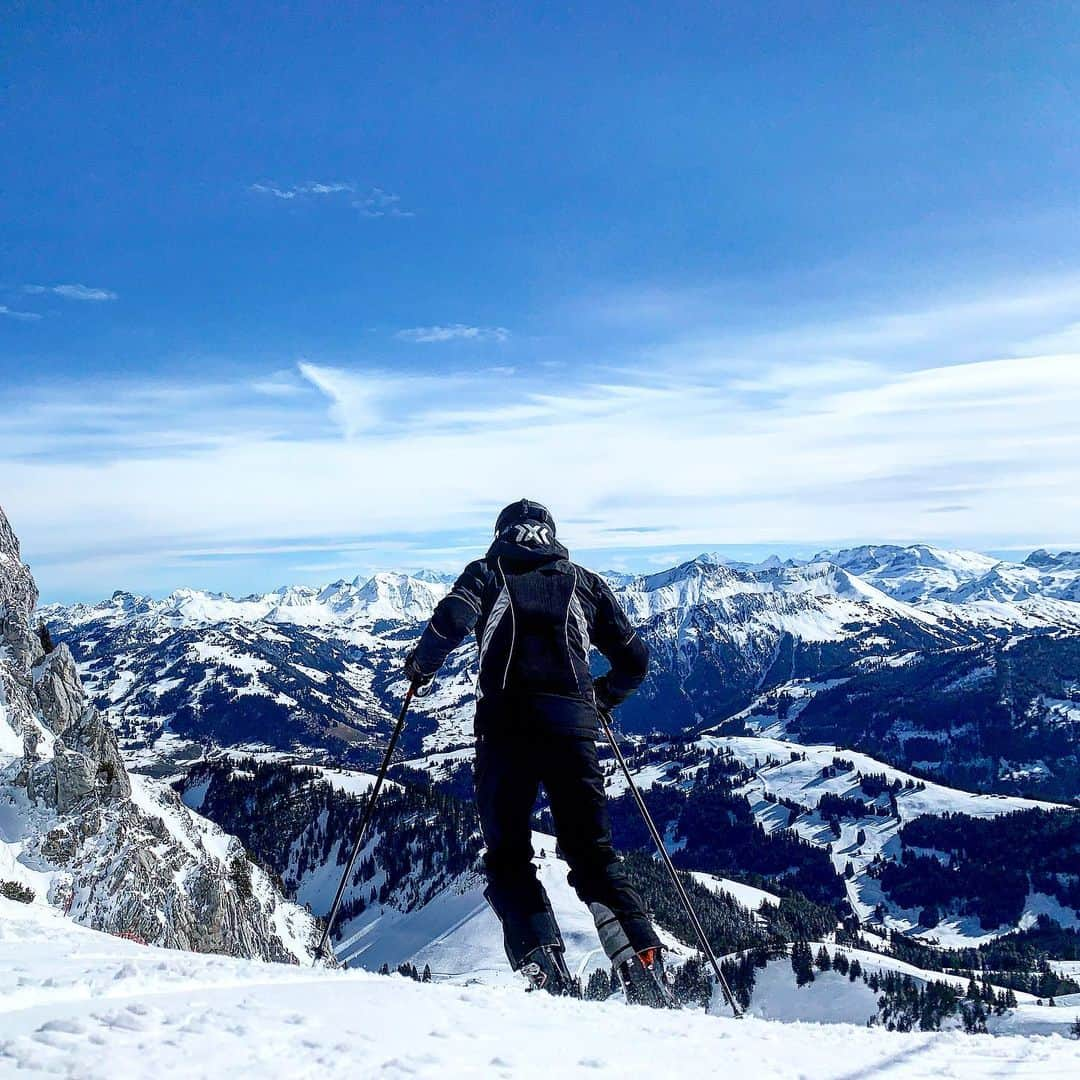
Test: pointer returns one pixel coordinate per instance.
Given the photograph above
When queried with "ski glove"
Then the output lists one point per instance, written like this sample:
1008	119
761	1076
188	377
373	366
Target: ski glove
413	672
606	698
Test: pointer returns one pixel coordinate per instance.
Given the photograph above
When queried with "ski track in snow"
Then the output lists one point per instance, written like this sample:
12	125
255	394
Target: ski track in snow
79	1003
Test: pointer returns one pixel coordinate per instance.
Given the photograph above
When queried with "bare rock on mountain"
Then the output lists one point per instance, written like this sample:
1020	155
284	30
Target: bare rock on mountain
18	598
86	755
120	854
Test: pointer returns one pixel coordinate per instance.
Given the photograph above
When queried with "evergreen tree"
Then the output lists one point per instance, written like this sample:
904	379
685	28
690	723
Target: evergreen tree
598	986
802	963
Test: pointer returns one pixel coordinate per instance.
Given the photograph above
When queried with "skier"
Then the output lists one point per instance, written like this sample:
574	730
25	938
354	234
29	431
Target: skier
536	614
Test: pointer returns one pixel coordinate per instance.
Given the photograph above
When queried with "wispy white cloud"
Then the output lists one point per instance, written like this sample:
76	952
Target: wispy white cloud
453	332
354	399
284	384
310	187
708	329
373	202
794	377
379	203
72	292
24	316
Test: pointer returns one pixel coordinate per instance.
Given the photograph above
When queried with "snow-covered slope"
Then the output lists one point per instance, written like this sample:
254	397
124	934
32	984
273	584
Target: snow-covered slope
914	573
82	1004
458	935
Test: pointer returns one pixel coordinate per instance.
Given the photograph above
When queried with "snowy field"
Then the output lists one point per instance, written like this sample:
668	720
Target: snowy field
79	1003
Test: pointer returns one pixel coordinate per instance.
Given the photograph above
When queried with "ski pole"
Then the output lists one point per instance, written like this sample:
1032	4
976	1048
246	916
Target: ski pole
369	811
703	941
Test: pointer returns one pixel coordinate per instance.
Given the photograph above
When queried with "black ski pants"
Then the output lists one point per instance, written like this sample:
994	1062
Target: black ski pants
510	768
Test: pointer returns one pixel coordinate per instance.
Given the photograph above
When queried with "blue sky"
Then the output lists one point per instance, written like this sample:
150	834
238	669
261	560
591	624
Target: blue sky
296	292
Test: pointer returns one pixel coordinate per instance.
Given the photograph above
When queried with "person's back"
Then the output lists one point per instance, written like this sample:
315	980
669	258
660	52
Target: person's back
536	616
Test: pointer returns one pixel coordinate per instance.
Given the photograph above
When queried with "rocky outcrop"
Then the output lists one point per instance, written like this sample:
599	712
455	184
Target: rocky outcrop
119	853
18	598
86	758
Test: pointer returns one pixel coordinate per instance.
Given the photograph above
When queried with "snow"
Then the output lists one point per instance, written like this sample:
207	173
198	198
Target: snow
830	999
1063	711
195	834
350	781
11	743
644	777
80	1003
209	653
388	595
801	780
834	999
746	895
1039	903
14	834
194	796
964	932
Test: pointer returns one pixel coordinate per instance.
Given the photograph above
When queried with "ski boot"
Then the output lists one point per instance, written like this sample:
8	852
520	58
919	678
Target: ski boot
645	980
546	969
642	975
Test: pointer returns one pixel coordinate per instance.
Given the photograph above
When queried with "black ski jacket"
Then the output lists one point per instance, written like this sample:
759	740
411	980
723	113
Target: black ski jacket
536	615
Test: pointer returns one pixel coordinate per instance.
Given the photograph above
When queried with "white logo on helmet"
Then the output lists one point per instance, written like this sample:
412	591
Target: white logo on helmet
529	533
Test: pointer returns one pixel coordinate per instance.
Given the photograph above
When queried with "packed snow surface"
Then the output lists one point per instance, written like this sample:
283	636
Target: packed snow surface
80	1003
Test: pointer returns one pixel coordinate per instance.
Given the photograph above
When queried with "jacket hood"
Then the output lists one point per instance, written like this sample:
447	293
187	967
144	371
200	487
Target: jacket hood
524	512
520	551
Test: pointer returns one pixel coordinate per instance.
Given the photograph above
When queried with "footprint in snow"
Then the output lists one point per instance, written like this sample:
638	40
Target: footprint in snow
123	1021
64	1027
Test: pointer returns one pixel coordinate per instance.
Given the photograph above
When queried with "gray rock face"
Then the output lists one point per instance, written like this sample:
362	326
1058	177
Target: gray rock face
142	866
18	598
87	759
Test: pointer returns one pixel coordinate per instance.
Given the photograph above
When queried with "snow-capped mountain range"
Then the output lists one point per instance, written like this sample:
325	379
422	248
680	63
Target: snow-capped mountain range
920	573
390	596
911	576
318	667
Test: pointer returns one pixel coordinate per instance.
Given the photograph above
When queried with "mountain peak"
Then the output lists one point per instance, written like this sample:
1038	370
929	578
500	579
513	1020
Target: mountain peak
1046	560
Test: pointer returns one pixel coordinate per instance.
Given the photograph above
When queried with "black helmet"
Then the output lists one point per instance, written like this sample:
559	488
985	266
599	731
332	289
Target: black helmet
522	511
